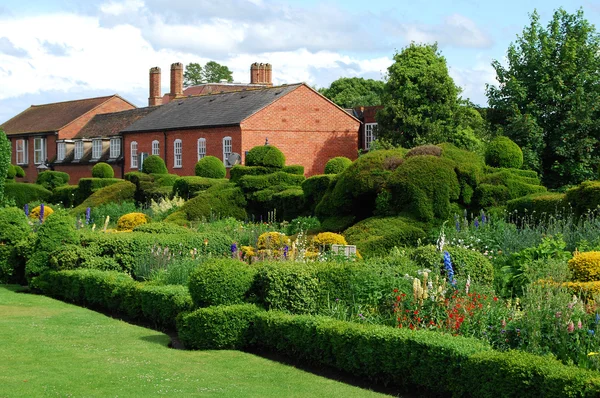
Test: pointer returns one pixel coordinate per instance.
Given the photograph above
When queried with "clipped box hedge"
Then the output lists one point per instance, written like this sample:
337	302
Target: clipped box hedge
23	193
87	186
188	187
251	183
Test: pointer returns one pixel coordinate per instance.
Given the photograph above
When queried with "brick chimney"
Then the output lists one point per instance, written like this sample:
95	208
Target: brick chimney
176	80
261	74
155	97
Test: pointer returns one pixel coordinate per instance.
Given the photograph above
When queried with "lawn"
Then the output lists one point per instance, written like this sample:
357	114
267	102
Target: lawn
50	348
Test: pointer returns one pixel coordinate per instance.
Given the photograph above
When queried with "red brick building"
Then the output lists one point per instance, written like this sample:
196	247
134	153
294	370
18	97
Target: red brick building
34	132
368	130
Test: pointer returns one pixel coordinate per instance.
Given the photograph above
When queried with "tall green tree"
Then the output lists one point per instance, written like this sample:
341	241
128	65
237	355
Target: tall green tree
349	92
550	91
212	72
420	100
5	153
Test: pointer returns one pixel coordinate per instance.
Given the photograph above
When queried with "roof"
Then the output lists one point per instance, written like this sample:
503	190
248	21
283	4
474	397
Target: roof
213	88
51	117
108	124
226	109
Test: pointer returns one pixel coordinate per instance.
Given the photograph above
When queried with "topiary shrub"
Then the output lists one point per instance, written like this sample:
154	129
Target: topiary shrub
154	164
51	179
250	183
337	165
238	171
221	282
34	214
585	267
102	170
161	228
87	186
221	200
23	193
421	150
503	152
539	204
424	187
314	188
188	187
584	197
326	239
64	195
11	172
272	240
119	192
265	156
294	169
210	167
19	172
129	221
13	228
165	180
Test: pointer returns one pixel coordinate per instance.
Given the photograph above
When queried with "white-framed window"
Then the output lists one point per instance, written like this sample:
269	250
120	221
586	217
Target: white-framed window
78	150
177	153
39	150
201	148
155	147
134	155
370	134
21	151
96	149
226	150
115	147
61	149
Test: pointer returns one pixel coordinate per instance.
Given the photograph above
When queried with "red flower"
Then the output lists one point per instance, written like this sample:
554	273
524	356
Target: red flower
495	298
395	290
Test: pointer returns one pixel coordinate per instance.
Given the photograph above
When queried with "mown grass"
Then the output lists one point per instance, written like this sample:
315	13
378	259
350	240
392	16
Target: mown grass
50	348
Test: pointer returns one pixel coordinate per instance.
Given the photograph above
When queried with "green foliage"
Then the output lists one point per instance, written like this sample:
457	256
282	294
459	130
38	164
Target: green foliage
302	224
188	187
116	192
349	92
114	210
377	236
424	187
137	177
64	195
501	185
23	193
238	171
161	228
337	165
211	72
51	179
102	170
465	262
222	200
265	156
210	167
11	172
547	93
5	155
539	204
13	228
154	164
165	180
87	186
585	197
469	168
19	172
503	152
221	282
250	183
314	189
294	169
421	150
219	327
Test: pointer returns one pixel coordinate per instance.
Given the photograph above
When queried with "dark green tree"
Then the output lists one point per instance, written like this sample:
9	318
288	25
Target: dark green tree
549	93
349	92
5	153
420	100
212	72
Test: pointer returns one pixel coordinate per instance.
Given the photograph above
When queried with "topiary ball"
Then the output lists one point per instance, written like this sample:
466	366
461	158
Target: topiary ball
503	152
19	172
326	239
129	221
337	165
154	164
210	167
11	172
272	240
266	156
102	170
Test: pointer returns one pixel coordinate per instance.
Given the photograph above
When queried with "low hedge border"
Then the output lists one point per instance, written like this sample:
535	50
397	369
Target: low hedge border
118	292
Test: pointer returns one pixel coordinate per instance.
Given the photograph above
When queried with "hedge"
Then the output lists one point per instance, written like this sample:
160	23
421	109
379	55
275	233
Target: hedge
583	198
538	204
11	172
337	165
165	180
162	228
188	187
64	195
23	193
294	169
14	226
314	189
51	179
154	164
210	167
19	172
238	171
116	291
102	170
251	183
265	156
117	191
221	200
87	186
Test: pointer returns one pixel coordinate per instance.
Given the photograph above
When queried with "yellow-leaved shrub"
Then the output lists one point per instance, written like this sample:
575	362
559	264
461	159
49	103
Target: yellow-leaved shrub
35	213
583	289
272	240
131	220
328	239
585	266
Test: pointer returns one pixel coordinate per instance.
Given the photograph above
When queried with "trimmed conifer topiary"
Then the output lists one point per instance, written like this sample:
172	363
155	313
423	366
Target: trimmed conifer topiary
337	165
103	170
11	172
19	172
266	156
503	152
210	167
154	164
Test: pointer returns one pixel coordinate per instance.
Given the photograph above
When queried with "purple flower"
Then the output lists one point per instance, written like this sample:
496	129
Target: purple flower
476	223
483	217
233	248
42	213
88	212
285	251
27	209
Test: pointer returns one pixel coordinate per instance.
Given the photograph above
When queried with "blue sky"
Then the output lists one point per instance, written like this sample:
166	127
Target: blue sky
65	49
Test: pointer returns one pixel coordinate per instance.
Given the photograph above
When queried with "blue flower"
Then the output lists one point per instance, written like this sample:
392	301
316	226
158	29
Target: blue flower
87	215
42	213
233	248
27	209
285	251
483	217
591	332
476	223
448	267
597	317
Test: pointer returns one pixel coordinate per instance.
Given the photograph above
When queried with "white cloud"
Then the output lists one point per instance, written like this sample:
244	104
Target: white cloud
120	8
473	80
7	47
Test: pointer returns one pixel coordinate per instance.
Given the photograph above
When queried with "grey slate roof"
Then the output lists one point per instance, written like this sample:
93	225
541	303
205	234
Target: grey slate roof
224	109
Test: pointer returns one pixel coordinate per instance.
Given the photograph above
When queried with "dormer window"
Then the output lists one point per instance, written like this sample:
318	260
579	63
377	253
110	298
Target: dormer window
61	149
96	149
78	150
115	147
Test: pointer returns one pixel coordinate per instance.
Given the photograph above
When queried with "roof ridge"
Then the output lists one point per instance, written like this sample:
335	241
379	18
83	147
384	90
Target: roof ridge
264	88
77	100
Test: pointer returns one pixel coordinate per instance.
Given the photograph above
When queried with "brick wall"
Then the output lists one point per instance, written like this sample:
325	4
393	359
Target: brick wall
30	168
307	128
79	171
114	104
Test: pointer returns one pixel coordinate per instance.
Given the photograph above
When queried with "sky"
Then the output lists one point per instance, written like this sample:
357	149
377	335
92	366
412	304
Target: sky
60	50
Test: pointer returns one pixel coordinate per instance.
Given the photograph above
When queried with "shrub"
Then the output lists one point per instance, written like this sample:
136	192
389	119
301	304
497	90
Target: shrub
23	193
465	262
13	228
154	164
161	228
162	304
584	197
210	167
422	150
19	172
327	239
287	286
302	224
424	186
238	171
11	172
503	152
35	212
314	189
221	282
376	236
102	170
87	186
488	195
188	187
165	180
251	183
138	177
337	165
221	327
64	195
294	169
222	200
265	156
272	241
538	204
288	203
129	221
114	210
51	179
118	192
585	267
